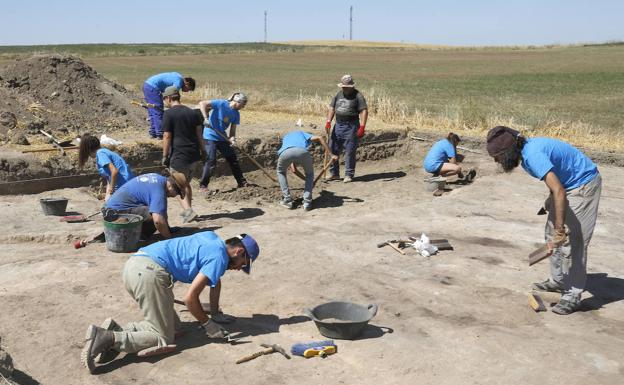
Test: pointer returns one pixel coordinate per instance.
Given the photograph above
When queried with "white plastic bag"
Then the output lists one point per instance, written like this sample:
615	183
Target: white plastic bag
424	246
107	141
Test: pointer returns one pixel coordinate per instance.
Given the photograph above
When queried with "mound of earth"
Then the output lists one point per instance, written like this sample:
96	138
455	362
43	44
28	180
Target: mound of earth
62	95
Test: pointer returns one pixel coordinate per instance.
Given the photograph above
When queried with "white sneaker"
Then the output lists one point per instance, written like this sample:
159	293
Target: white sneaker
347	179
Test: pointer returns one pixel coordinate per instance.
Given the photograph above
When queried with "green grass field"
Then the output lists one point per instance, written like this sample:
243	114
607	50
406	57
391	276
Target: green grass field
534	88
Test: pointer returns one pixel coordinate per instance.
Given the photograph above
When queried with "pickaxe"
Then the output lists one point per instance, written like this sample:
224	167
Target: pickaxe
269	349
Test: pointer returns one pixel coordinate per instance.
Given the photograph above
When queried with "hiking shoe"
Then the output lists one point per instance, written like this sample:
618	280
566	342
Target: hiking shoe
333	177
548	285
565	307
111	354
307	206
188	215
243	184
98	341
347	179
289	204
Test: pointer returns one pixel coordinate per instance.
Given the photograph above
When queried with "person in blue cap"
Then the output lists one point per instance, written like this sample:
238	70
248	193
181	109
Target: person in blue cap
575	186
153	89
199	260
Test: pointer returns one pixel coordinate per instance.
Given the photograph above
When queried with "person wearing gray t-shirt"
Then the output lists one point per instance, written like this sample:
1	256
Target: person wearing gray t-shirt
351	111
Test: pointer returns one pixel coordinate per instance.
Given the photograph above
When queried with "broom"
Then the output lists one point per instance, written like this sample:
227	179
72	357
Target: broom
314	348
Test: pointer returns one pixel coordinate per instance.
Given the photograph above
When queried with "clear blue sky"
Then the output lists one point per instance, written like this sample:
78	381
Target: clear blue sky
447	22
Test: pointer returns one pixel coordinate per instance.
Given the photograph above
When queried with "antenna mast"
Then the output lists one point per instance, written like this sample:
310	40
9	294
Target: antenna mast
265	26
351	23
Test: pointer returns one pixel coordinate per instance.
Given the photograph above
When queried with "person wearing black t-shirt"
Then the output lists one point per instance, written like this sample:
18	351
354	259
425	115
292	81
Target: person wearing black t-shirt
182	145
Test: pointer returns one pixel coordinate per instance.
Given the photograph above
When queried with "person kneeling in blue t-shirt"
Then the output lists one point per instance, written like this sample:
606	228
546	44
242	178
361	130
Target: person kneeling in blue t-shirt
442	158
575	186
146	195
199	260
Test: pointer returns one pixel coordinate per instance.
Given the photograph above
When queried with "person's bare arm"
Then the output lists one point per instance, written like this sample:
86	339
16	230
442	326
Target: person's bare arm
232	133
363	117
110	188
167	137
215	295
204	108
322	142
191	298
296	171
560	203
199	131
160	221
453	160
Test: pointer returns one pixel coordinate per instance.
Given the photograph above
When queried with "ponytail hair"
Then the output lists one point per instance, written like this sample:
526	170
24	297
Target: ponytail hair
88	144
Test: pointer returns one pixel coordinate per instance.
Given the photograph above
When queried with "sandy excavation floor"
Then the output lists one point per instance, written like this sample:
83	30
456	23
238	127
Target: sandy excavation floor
459	317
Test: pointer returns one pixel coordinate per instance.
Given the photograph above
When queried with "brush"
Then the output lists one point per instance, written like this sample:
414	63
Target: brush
314	348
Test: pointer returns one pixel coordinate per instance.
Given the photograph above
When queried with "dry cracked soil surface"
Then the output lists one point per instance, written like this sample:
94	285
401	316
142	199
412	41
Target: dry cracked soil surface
458	317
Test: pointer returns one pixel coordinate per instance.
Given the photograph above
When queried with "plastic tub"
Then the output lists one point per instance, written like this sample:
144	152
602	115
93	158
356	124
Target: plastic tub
54	206
341	320
122	234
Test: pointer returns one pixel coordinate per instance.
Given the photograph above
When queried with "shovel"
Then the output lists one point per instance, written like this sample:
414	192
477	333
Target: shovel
78	218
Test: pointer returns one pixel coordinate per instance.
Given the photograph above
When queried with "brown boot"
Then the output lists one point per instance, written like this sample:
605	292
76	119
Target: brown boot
98	341
111	354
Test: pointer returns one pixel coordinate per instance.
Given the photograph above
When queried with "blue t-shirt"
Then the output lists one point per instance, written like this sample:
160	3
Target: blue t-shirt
104	157
295	139
221	116
572	167
145	190
166	79
184	257
439	154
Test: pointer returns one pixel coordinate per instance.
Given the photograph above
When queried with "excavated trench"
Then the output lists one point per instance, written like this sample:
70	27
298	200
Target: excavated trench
31	175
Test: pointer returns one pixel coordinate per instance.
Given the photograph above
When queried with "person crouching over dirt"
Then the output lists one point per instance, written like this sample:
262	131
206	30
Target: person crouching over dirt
199	260
294	151
109	164
146	195
575	186
351	111
152	92
443	159
182	146
218	115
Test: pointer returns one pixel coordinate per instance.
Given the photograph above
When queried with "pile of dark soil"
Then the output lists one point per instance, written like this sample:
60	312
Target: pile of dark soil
62	95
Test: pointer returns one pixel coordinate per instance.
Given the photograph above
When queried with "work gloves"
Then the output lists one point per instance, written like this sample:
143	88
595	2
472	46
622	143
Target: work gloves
165	161
328	125
214	330
360	131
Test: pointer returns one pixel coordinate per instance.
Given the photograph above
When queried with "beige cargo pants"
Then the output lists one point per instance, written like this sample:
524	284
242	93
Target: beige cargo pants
568	263
151	286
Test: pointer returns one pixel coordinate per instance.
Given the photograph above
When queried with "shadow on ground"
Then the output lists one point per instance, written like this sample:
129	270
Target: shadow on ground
386	176
604	290
328	199
243	213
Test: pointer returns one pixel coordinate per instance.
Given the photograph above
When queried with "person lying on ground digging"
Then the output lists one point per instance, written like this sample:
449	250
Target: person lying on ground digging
351	111
443	159
182	146
146	196
294	151
575	186
199	260
152	92
109	164
218	115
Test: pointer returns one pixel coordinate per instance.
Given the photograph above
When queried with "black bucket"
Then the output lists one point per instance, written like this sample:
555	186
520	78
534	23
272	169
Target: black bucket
341	320
53	206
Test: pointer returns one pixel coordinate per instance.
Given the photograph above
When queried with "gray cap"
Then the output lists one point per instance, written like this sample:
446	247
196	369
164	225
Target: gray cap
239	97
171	91
346	81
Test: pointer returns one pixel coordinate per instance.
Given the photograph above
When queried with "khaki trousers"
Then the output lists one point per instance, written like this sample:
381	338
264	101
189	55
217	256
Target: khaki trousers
568	263
151	286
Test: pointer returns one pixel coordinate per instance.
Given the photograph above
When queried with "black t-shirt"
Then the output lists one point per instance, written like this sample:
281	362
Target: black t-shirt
348	108
182	122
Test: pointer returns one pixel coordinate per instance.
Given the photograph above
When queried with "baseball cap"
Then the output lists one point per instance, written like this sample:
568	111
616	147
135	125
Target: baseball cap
239	97
346	81
499	139
252	249
170	91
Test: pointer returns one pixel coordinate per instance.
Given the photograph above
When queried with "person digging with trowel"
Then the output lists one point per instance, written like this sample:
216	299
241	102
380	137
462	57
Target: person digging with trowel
199	260
443	159
294	151
146	196
575	186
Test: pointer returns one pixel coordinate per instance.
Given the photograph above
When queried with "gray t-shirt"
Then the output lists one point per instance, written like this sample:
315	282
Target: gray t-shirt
348	108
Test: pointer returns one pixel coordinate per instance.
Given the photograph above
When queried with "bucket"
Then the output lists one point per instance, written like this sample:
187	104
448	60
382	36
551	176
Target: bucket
122	234
435	183
53	206
341	320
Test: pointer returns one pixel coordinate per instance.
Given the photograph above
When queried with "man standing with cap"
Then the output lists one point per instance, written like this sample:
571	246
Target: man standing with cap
152	93
145	195
182	145
294	151
199	260
351	111
575	186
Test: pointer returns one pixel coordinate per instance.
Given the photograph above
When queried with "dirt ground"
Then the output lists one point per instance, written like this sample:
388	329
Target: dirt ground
458	317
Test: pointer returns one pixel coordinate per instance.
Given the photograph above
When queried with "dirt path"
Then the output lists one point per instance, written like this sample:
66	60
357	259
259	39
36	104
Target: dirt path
459	317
